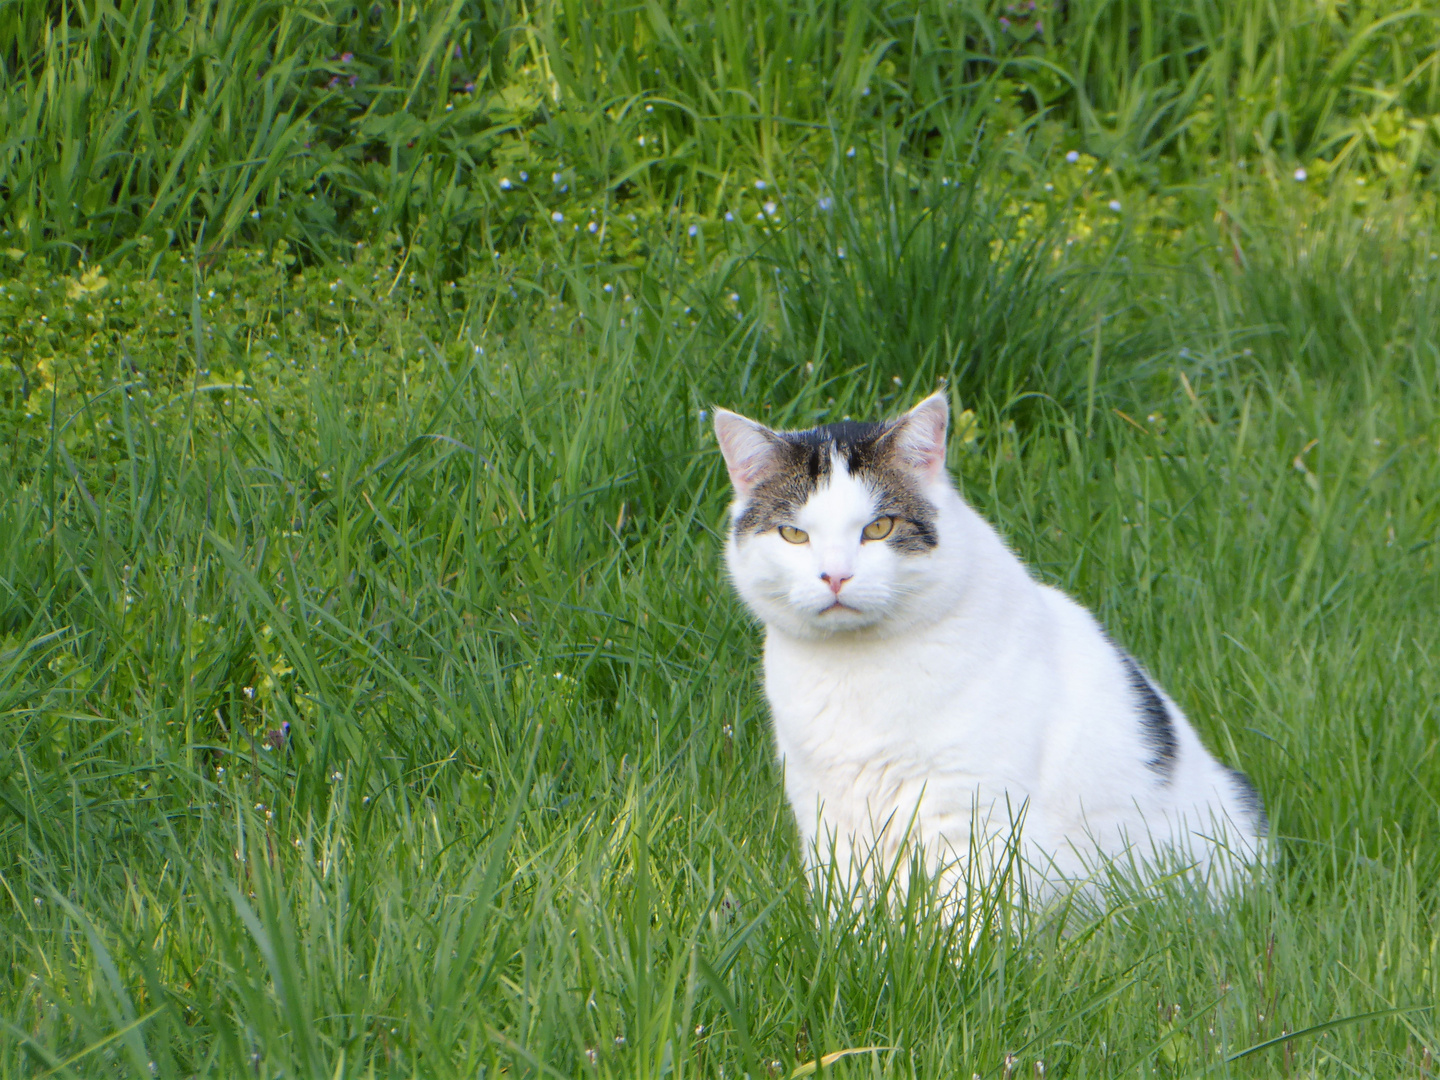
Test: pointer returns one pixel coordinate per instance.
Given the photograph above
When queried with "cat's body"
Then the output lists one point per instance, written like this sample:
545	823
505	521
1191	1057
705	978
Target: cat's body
924	688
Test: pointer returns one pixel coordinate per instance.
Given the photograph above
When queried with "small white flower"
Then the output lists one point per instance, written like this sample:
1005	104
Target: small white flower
1049	187
641	140
609	287
555	178
1301	175
694	230
770	208
734	297
592	227
850	152
840	251
826	203
557	216
1115	205
1073	156
759	185
524	176
649	108
504	186
255	214
729	216
864	91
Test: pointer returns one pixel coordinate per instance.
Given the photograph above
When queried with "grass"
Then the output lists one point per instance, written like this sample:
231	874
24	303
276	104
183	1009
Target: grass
372	699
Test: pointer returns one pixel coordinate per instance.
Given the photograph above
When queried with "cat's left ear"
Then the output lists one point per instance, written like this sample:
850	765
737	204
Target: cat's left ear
748	448
919	436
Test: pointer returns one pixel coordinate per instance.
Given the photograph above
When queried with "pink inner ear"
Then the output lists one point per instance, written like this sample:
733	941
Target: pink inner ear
747	447
922	436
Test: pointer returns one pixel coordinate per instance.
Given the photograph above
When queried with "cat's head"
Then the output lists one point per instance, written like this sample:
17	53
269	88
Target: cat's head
840	529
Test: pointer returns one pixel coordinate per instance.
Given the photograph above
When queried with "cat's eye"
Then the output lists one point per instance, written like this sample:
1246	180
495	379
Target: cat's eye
794	535
878	529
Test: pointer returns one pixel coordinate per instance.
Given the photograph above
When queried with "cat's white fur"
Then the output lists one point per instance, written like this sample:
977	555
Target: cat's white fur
954	694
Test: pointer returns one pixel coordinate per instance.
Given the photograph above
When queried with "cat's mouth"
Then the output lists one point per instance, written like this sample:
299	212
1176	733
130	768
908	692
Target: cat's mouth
838	606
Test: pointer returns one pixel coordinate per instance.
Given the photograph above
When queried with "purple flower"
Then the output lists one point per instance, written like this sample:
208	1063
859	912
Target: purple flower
345	58
1004	22
457	52
334	82
469	87
353	80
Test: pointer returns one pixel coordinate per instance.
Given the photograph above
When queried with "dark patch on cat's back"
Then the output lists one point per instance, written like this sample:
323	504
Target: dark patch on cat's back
1156	726
1251	801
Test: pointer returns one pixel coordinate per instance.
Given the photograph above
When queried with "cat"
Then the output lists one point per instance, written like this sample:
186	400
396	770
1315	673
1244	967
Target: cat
927	694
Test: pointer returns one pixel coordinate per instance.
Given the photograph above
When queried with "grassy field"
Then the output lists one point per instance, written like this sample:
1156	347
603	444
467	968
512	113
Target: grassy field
372	699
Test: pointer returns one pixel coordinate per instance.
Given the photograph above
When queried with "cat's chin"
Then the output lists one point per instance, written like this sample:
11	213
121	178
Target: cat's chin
835	621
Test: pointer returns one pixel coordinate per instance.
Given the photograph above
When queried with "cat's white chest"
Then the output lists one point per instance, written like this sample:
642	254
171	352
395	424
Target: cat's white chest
922	728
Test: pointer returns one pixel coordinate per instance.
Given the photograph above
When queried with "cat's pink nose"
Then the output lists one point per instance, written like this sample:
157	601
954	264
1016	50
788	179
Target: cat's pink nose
835	581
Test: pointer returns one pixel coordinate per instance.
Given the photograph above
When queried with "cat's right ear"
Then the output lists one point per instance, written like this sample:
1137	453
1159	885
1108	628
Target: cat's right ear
748	448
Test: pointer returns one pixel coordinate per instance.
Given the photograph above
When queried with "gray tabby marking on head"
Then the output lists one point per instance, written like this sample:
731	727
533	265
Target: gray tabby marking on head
801	460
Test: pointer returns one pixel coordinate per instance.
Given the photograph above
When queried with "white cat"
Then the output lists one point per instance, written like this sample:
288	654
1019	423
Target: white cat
925	689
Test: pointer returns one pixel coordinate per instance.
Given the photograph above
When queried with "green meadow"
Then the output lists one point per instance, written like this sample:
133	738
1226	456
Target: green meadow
373	702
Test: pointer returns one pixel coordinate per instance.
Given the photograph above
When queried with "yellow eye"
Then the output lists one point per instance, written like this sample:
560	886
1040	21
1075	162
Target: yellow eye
794	535
879	528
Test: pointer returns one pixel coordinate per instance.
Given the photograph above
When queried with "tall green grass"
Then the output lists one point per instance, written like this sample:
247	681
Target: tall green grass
372	698
525	818
328	122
